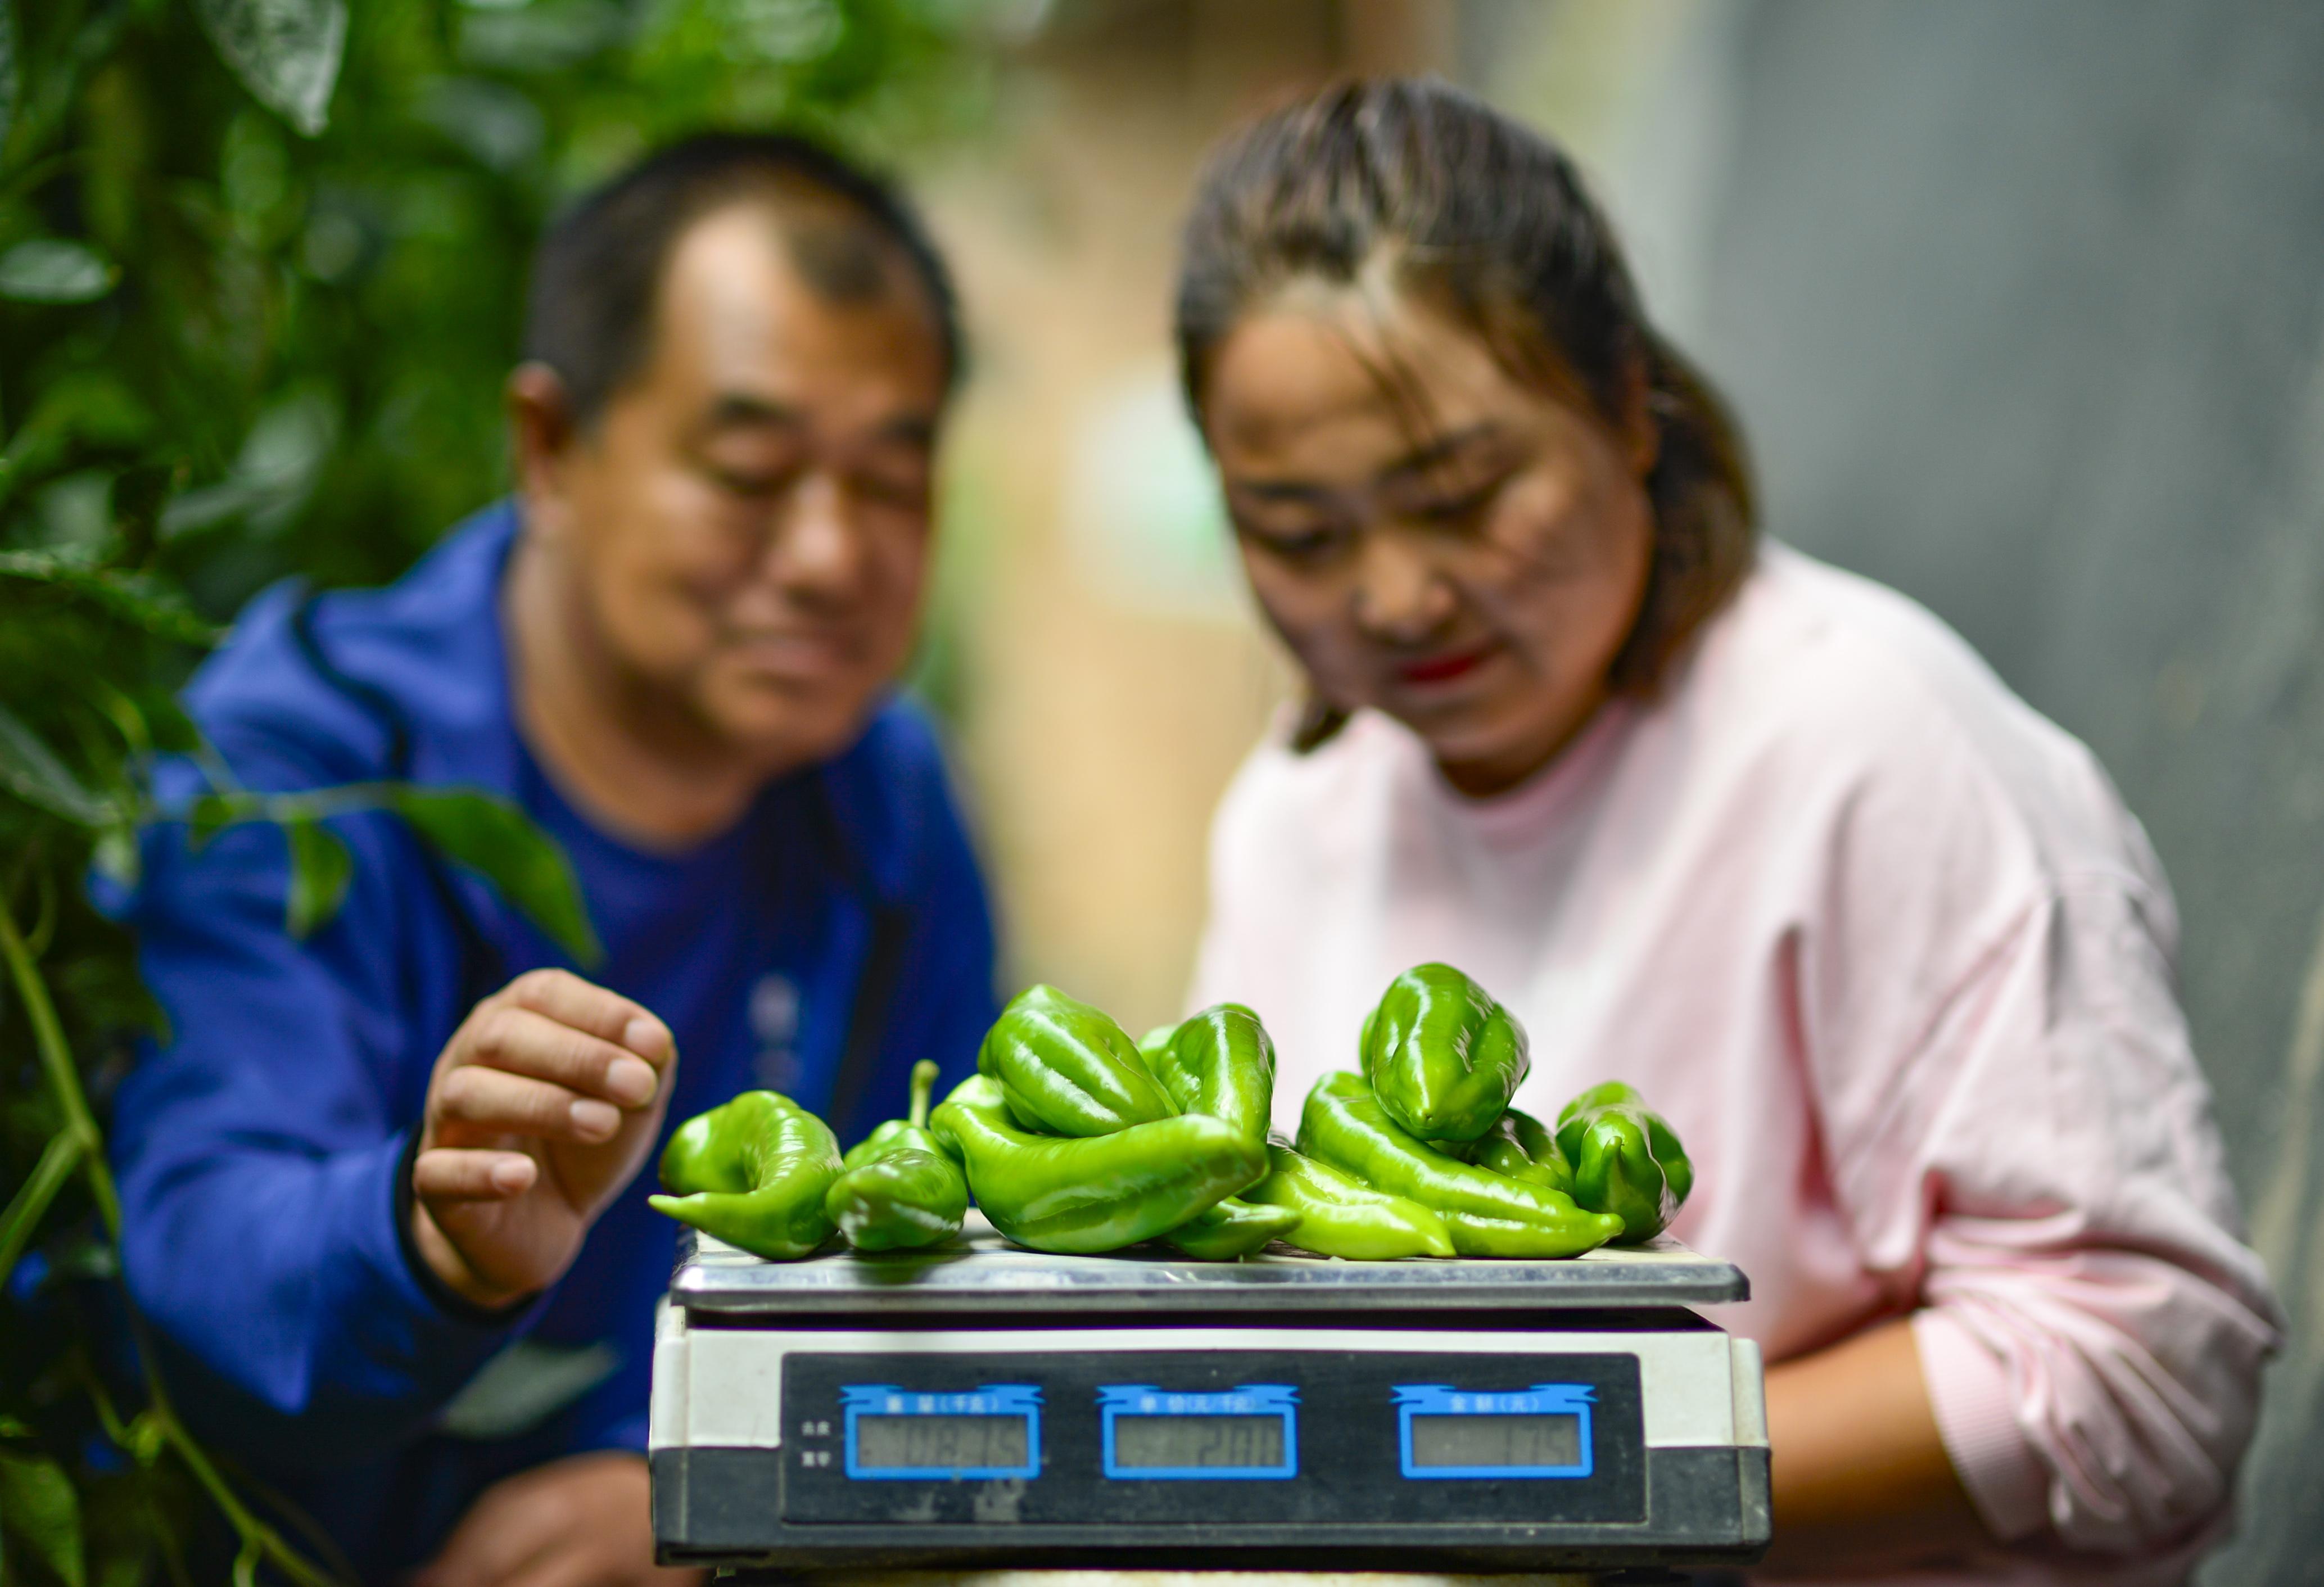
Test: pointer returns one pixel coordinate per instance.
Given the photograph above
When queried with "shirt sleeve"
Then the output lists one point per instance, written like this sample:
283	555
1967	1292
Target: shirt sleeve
260	1148
2023	1145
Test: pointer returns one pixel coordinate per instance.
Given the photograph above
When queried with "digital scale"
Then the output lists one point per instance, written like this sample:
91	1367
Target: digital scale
984	1405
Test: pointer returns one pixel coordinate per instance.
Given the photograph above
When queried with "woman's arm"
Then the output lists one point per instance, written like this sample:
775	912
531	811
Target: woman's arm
1861	1478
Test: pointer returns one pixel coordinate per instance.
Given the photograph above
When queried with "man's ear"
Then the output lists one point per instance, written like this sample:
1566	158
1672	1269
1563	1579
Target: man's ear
542	439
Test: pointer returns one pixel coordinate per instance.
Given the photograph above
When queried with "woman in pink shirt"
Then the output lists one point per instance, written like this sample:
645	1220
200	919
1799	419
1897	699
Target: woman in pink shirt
1765	839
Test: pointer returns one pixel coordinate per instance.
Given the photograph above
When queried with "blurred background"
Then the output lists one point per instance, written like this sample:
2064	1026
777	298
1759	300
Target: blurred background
2022	306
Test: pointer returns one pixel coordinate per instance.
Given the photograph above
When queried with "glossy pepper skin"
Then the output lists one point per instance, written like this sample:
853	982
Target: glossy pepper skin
1080	1194
1340	1215
1485	1213
1218	1061
1626	1160
900	1189
1067	1068
753	1172
1232	1229
1442	1055
1522	1146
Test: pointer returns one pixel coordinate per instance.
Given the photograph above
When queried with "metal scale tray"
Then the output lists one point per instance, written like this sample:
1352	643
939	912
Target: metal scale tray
982	1273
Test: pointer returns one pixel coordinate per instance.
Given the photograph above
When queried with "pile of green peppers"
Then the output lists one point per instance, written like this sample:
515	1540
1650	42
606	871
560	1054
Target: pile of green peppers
1429	1118
1078	1140
1073	1137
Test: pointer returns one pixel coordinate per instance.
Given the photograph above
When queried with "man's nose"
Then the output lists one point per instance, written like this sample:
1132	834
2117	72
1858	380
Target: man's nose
1401	597
816	551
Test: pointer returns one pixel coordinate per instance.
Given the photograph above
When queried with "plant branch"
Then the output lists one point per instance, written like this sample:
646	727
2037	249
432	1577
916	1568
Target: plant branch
32	1198
85	1147
57	1064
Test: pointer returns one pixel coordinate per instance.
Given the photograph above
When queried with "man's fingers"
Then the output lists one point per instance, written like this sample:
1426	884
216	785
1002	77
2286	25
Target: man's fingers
497	1103
523	1042
568	999
449	1174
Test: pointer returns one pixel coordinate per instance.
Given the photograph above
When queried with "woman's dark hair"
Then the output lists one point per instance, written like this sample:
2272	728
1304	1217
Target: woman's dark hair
1490	220
599	266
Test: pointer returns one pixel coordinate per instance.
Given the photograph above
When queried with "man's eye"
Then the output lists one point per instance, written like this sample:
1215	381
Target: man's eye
750	484
896	488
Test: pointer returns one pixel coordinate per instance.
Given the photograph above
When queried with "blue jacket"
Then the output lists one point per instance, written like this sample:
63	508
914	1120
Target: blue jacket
838	933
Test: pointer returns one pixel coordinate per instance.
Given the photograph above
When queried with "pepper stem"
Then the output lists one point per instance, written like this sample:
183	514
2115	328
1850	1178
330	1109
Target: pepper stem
924	1087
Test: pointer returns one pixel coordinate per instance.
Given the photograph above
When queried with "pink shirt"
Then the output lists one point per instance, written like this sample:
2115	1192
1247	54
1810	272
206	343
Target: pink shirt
1885	946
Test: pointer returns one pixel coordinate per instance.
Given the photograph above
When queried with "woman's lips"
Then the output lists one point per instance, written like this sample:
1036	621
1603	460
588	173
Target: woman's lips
1444	666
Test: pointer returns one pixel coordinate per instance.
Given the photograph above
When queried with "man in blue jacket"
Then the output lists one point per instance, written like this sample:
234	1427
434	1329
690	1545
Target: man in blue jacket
379	1187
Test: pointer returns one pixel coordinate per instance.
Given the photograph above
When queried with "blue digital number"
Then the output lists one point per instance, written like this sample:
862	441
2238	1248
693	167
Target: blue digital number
900	1435
1244	1434
1544	1431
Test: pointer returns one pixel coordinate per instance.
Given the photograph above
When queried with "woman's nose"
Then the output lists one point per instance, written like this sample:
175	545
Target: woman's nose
1401	596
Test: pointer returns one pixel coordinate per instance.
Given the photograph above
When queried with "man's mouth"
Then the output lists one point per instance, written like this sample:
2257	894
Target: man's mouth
1444	666
793	653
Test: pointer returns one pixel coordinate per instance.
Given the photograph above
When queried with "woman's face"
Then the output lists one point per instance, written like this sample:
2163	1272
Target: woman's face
1430	536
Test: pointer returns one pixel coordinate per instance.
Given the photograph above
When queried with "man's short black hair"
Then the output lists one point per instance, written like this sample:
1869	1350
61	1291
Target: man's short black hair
599	267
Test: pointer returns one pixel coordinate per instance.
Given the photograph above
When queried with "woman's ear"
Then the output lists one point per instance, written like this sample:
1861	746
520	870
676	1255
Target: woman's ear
541	439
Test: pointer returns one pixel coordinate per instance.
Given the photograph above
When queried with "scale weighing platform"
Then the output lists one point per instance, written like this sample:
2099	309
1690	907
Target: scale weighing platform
984	1405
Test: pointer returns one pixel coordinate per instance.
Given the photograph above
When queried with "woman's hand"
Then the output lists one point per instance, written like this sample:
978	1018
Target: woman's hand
543	1105
581	1522
1862	1483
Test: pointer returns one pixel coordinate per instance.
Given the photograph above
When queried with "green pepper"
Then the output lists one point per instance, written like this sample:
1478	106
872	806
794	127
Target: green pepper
1067	1068
1340	1215
1443	1056
1231	1230
900	1190
1522	1146
1344	1125
752	1172
1626	1159
1079	1194
1220	1061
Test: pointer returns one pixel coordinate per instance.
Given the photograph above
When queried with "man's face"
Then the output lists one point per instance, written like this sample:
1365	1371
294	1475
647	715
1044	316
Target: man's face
746	528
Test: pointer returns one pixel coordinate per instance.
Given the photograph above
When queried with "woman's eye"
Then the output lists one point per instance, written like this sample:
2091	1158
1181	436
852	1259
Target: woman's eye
1310	545
1453	511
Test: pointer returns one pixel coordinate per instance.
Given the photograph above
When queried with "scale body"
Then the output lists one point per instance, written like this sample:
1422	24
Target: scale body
984	1406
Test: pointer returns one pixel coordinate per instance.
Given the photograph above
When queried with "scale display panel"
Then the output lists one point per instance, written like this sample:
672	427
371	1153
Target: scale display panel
892	1436
1121	1438
1250	1432
1444	1433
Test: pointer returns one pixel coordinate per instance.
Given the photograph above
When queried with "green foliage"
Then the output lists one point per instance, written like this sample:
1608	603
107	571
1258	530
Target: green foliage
262	268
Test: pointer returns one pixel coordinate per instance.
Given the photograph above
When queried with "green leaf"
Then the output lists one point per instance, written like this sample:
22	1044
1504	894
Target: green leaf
320	867
139	493
39	1509
7	70
285	51
210	815
52	270
133	598
115	855
30	771
495	838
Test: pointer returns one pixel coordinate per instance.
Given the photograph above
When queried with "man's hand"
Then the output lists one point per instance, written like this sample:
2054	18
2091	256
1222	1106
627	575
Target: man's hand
582	1522
543	1105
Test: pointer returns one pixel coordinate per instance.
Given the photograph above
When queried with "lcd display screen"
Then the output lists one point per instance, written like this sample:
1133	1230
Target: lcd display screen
1209	1443
1497	1441
939	1444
